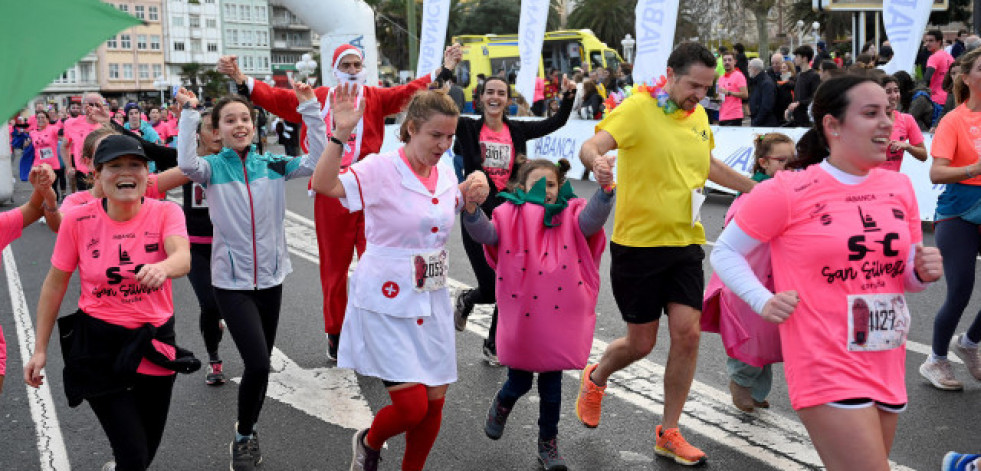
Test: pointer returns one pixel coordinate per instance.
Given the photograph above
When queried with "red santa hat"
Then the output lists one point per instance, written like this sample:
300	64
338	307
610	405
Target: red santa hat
345	50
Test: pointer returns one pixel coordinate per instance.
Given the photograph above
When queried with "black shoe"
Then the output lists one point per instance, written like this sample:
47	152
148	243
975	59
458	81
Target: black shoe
497	418
254	448
242	459
548	455
332	341
490	354
462	309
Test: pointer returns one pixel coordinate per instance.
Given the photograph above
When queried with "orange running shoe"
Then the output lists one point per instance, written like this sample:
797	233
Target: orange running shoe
671	444
589	403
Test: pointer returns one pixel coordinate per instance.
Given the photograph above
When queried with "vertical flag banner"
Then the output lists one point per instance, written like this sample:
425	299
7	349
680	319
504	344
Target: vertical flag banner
435	17
905	22
81	25
656	20
531	35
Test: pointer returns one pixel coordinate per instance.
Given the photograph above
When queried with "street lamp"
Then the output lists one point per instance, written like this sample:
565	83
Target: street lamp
161	84
306	67
628	44
816	28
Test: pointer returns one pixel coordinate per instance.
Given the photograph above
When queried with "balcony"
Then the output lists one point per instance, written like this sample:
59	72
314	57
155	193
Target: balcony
292	45
285	23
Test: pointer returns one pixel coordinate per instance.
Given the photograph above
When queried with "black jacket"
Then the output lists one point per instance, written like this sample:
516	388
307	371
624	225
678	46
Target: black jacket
468	141
762	99
807	84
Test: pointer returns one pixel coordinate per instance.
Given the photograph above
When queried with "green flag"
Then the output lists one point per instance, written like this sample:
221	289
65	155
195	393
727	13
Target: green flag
39	39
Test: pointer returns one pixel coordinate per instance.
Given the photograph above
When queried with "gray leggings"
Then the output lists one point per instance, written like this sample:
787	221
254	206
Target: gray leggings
959	242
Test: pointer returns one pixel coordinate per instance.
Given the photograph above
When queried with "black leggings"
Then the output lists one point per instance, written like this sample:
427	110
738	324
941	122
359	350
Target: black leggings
200	278
251	317
59	183
134	420
486	284
959	242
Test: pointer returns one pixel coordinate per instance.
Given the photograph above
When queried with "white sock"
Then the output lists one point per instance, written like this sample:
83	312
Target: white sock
974	465
934	358
967	343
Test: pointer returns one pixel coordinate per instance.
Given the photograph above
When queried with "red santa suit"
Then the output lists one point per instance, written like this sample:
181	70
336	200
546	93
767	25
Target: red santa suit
339	231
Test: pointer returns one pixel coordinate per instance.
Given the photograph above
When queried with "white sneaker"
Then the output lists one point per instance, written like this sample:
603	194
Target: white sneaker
110	466
971	356
940	373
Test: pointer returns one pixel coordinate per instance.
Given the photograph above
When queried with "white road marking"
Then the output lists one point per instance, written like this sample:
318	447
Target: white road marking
766	436
50	443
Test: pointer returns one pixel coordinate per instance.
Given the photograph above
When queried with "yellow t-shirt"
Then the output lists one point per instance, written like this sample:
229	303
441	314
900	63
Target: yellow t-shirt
661	159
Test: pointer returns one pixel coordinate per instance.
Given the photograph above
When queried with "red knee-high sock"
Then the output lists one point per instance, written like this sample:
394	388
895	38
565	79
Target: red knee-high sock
408	408
419	441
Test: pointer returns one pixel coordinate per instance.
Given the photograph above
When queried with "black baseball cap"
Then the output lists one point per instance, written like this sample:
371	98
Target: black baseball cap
114	146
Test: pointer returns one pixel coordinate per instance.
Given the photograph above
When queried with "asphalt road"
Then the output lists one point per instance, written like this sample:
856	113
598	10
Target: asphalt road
310	416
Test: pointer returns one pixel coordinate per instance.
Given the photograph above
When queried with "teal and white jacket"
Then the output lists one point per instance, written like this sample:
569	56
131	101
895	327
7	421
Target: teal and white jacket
247	200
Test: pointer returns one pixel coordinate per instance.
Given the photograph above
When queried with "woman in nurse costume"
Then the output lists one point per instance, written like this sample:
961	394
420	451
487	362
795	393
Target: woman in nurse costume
399	322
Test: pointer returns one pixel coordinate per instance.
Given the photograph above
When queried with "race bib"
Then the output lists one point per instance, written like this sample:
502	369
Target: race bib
877	322
429	270
497	155
46	153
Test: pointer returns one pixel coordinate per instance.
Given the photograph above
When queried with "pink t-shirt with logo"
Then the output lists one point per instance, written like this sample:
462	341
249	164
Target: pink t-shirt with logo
108	254
732	107
162	130
844	249
46	147
497	154
76	130
11	227
82	198
941	62
904	128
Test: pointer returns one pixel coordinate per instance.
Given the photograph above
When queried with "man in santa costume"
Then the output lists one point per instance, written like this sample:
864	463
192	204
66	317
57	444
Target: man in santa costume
340	232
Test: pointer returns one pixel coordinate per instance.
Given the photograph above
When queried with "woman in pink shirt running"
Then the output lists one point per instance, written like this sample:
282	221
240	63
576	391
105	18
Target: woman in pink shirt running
846	243
906	135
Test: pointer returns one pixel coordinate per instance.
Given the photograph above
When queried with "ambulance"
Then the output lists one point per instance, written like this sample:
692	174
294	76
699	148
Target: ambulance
494	54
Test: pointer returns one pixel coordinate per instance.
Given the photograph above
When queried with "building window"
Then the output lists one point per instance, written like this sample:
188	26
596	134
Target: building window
144	70
248	63
211	23
112	43
157	70
230	10
260	14
177	20
265	63
128	71
154	14
155	42
114	71
139	11
178	45
247	38
262	38
125	41
232	35
194	21
212	47
124	7
209	1
141	41
195	45
245	13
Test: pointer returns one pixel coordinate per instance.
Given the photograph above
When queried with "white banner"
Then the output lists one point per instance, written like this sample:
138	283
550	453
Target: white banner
531	35
905	22
435	17
656	20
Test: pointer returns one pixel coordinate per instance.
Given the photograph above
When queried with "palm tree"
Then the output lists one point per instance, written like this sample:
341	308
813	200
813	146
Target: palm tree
610	20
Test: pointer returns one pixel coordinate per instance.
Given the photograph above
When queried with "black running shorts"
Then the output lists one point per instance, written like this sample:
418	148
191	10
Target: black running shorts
646	279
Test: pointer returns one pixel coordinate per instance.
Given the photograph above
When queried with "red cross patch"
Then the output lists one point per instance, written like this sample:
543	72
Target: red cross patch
390	289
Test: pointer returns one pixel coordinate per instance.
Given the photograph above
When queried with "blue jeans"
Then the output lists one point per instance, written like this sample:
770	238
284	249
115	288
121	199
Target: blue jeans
549	390
759	380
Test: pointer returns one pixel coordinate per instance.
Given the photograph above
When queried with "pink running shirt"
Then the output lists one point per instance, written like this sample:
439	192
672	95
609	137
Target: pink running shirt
958	139
497	155
732	107
941	62
76	130
108	254
46	147
11	226
904	128
830	242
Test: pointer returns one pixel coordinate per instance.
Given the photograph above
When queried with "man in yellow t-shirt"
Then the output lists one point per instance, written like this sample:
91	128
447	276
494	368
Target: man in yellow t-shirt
664	157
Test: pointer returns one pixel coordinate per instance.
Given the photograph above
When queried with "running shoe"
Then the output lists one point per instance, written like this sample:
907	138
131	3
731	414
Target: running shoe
490	354
971	356
742	397
462	309
242	459
961	462
672	445
363	458
548	455
111	466
497	418
215	376
254	448
940	373
589	403
332	341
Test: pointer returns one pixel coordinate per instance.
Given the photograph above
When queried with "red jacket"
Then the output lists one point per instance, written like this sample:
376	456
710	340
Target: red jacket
380	103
